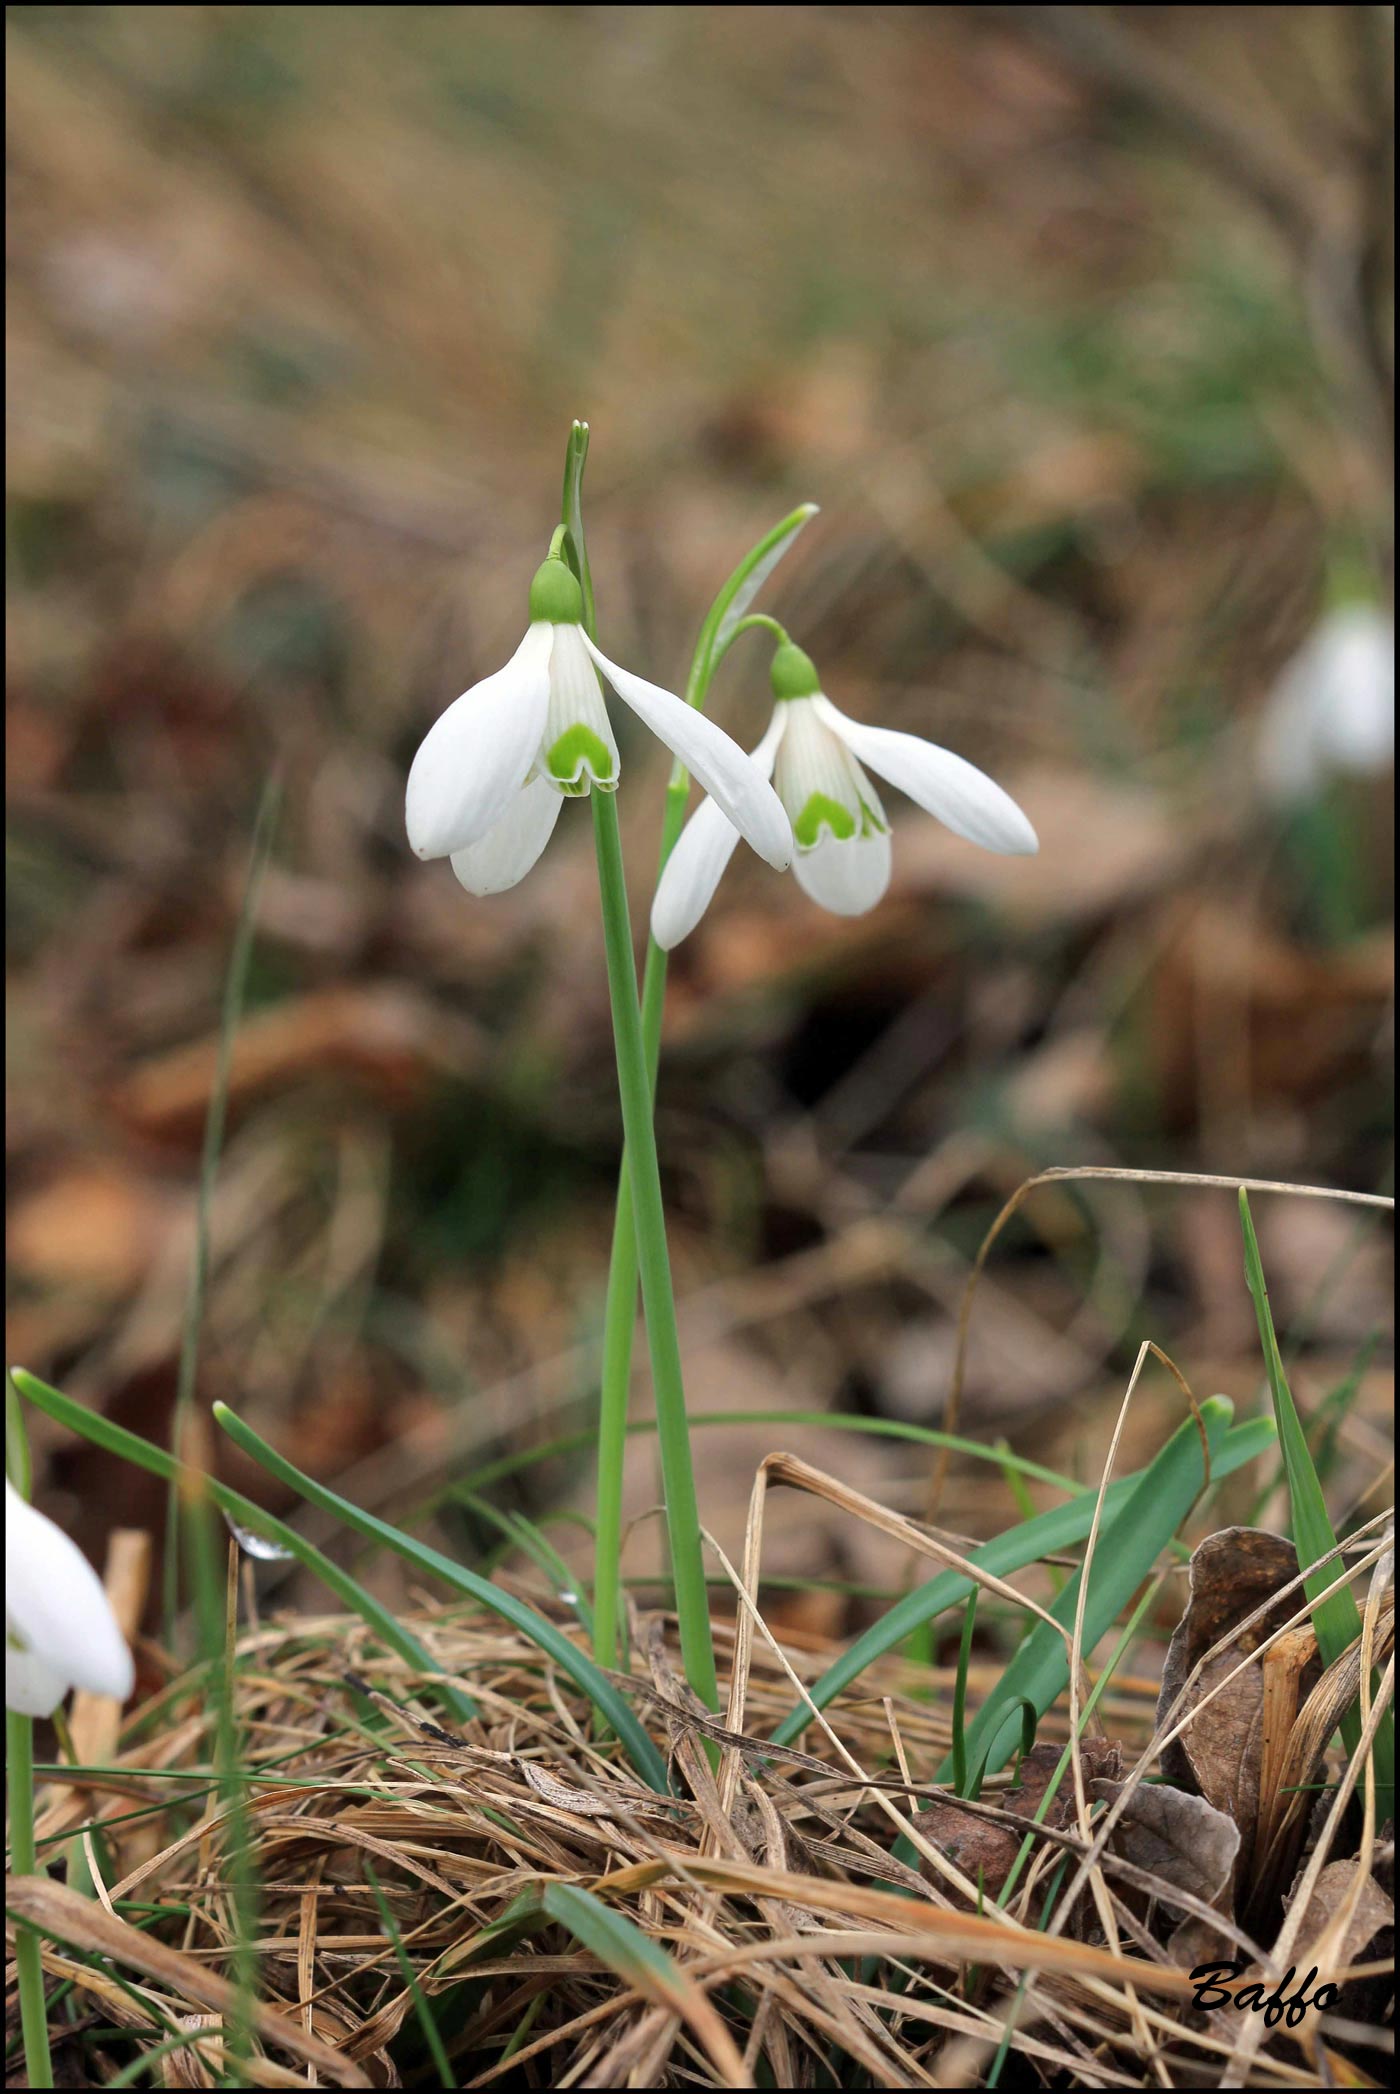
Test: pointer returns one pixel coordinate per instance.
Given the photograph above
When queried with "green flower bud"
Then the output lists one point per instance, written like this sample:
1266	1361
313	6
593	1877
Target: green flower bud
794	673
555	596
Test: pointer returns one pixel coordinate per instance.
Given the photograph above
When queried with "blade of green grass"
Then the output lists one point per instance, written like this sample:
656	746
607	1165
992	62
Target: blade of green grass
1057	1529
446	2077
960	1695
1336	1618
1020	1491
526	1536
543	1634
1325	1425
1127	1551
143	1454
838	1421
231	1010
621	1945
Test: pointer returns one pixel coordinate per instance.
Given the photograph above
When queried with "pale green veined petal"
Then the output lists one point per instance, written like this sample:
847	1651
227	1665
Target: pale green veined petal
818	780
706	845
965	799
478	754
507	851
718	763
578	748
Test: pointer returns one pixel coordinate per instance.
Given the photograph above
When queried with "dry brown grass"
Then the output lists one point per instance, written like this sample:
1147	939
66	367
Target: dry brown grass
768	1879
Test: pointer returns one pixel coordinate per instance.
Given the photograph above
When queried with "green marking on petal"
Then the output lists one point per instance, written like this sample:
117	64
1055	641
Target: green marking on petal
823	812
579	750
870	822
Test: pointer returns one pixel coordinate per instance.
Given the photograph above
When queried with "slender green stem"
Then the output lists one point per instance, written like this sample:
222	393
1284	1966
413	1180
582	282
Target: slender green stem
620	1311
33	2009
724	621
19	1769
653	1263
235	985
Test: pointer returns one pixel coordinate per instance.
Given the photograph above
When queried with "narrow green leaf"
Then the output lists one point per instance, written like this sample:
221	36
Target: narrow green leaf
641	1962
960	1695
617	1941
1060	1528
747	579
1128	1547
1336	1619
528	1538
834	1421
571	514
205	1552
426	2020
144	1455
543	1634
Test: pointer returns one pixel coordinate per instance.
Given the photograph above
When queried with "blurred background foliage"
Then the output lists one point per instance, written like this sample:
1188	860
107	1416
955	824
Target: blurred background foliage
1076	323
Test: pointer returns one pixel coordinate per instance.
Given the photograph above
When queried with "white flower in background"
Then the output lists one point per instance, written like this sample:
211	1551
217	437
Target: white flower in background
60	1631
1333	706
814	756
491	775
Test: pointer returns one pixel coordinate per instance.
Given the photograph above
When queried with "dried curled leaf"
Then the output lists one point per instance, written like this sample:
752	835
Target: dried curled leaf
1371	1915
1183	1842
1221	1755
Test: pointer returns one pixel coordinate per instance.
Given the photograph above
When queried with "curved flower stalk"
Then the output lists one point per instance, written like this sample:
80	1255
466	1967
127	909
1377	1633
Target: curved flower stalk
492	773
1333	706
817	759
60	1631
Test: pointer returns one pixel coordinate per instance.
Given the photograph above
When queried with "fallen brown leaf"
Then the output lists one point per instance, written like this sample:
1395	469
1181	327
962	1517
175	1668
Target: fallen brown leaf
1233	1573
1181	1840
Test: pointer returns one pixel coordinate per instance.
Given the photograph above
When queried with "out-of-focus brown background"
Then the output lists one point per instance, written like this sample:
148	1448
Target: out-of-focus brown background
1075	322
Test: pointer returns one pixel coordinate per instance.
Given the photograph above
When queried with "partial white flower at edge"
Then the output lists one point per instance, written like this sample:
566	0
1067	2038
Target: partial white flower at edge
1333	706
815	757
491	774
60	1631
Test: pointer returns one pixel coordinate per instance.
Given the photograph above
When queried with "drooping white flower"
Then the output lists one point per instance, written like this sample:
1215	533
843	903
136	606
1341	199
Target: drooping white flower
1333	706
490	776
816	758
60	1631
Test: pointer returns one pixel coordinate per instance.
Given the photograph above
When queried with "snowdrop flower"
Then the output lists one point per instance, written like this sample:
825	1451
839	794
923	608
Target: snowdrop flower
490	777
815	757
60	1631
1333	707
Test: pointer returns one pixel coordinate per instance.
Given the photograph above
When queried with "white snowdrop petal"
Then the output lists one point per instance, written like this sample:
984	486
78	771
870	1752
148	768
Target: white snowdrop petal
716	762
846	876
965	799
506	852
1332	707
693	870
1355	688
705	846
479	752
55	1604
31	1687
